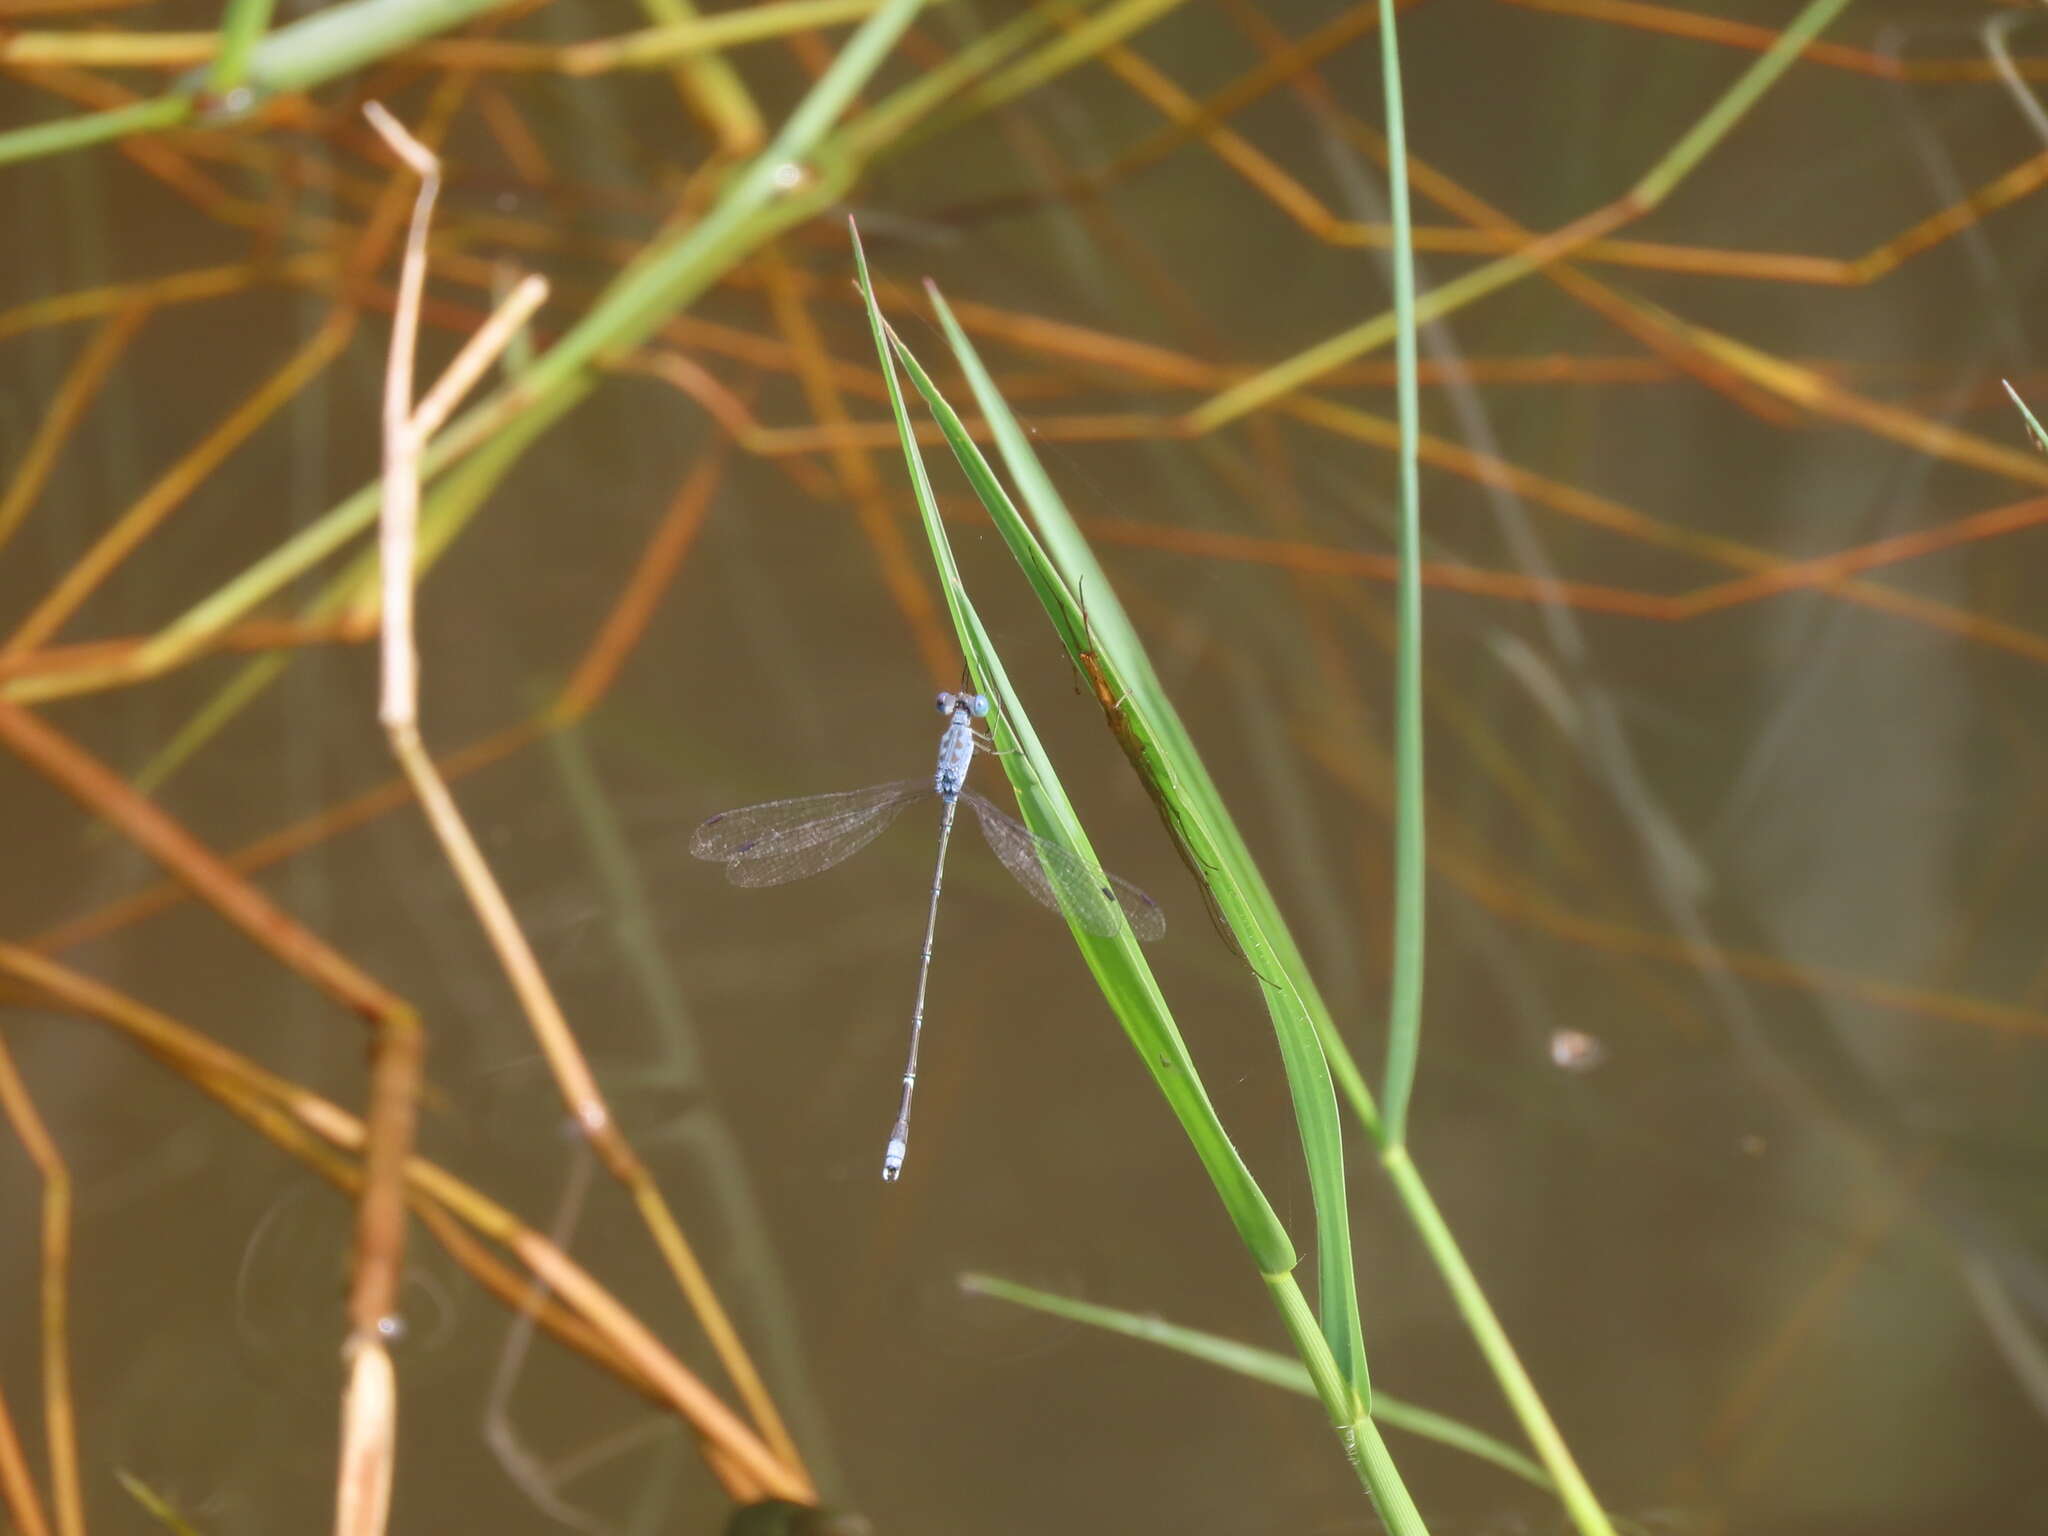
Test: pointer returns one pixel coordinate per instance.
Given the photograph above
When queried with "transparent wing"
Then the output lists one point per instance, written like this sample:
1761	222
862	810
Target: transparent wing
784	840
1051	873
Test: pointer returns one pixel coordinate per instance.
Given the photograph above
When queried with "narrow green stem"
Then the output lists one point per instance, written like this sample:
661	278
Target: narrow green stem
2033	427
1573	1490
1404	1006
241	27
1368	1453
1338	1399
1363	1447
1700	139
85	128
1369	335
695	36
328	43
662	281
1103	29
906	115
712	85
343	38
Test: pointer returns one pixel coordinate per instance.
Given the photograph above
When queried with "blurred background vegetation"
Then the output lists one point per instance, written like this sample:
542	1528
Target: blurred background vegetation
1732	1080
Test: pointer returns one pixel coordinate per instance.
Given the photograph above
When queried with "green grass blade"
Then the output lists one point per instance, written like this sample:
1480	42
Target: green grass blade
1573	1491
160	1508
1313	362
446	511
1120	970
2033	427
673	272
330	42
82	128
1715	124
1102	29
1108	651
667	277
343	38
911	114
1404	1001
1258	1364
242	25
715	88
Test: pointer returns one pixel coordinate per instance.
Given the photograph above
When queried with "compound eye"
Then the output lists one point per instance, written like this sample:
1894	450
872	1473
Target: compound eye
944	703
977	706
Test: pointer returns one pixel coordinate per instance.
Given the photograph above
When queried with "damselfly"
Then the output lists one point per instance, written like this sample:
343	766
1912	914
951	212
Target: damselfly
788	839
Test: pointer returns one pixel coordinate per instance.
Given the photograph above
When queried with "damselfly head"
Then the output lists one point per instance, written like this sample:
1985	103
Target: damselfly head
975	704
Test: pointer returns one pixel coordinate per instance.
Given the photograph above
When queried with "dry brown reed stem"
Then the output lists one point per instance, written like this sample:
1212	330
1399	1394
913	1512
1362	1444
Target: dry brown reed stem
1751	38
1352	742
1719	375
638	50
310	832
406	428
1516	899
243	1086
1307	84
1762	1383
1362	769
859	482
1193	119
188	287
69	403
1993	522
592	677
515	141
1288	63
1825	397
579	1089
178	482
369	1428
398	518
1160	365
518	1295
103	794
732	414
1833	574
60	1422
525	1297
1495	889
1291	61
17	1486
381	1218
51	663
19	8
663	555
1302	557
155	155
